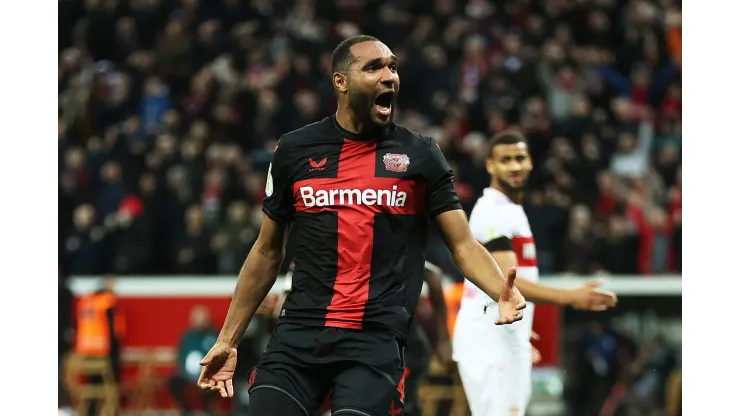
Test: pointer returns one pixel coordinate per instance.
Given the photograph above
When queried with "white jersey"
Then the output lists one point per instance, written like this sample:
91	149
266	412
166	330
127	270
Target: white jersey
495	216
495	361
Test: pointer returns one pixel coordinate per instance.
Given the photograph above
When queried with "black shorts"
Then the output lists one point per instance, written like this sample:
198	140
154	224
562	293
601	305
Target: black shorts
361	371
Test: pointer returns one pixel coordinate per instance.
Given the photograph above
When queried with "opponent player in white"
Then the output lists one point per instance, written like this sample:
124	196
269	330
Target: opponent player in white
495	362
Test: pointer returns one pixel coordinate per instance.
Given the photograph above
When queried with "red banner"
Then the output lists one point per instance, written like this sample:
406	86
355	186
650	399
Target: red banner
157	313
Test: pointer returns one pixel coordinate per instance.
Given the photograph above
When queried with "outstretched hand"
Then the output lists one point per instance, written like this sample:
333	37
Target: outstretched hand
511	301
218	370
589	297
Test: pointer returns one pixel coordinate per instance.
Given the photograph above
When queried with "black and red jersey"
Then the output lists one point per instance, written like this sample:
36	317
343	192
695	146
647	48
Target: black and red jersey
358	207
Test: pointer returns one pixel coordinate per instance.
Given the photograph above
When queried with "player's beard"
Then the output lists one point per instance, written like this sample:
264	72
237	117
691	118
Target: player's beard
362	104
515	193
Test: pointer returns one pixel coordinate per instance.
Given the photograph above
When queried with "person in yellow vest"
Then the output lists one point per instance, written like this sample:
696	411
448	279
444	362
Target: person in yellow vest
100	329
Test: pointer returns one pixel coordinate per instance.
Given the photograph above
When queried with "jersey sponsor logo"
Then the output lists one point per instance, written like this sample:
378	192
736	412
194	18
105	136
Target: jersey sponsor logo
396	162
268	184
525	250
316	166
528	251
332	197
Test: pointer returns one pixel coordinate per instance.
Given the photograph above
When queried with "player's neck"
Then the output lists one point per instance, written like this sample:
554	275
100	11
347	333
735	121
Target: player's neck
515	196
347	120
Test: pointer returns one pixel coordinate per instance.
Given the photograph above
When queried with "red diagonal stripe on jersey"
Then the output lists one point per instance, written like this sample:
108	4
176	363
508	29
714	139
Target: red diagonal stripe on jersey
355	224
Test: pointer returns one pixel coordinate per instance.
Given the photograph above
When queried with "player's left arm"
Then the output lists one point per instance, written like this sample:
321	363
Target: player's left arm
443	205
469	255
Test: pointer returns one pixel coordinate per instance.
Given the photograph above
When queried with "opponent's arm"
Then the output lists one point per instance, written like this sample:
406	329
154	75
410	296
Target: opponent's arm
586	297
533	292
256	278
473	260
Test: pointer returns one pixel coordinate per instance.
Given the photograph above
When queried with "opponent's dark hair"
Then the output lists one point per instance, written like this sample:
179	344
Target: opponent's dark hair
341	58
505	137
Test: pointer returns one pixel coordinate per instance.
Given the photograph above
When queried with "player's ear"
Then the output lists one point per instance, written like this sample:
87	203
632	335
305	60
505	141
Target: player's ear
340	82
528	164
489	165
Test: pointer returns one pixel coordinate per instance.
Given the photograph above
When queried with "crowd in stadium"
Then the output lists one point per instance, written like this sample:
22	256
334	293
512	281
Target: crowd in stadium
169	111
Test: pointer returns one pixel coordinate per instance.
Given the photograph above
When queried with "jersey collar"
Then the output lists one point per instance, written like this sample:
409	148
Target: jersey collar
495	193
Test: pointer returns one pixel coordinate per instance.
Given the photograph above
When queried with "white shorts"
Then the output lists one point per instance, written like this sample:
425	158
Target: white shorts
495	363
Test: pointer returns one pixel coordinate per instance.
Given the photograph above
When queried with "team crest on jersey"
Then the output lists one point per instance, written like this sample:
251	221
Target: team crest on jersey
395	162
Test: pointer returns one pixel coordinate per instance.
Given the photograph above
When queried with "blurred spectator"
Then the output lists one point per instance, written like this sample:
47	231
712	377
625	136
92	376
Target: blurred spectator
194	95
83	251
547	214
194	344
655	245
66	332
192	251
650	371
111	190
580	250
631	158
154	104
600	345
131	237
236	236
100	331
674	210
617	247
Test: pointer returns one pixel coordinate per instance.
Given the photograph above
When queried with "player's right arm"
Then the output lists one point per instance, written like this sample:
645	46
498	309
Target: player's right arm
256	278
260	269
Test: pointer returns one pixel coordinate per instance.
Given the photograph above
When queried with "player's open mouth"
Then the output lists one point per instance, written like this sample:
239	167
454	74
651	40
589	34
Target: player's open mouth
384	103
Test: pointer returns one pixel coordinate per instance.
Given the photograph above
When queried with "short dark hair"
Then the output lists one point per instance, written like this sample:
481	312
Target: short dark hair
505	137
341	58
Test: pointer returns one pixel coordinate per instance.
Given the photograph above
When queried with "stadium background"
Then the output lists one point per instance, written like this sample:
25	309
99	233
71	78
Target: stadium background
169	111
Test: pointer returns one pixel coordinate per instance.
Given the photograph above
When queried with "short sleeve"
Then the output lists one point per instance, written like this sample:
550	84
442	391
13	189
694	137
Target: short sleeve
441	195
278	203
492	227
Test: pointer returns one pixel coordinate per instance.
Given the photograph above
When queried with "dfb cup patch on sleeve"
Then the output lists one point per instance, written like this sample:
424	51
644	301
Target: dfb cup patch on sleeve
268	185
